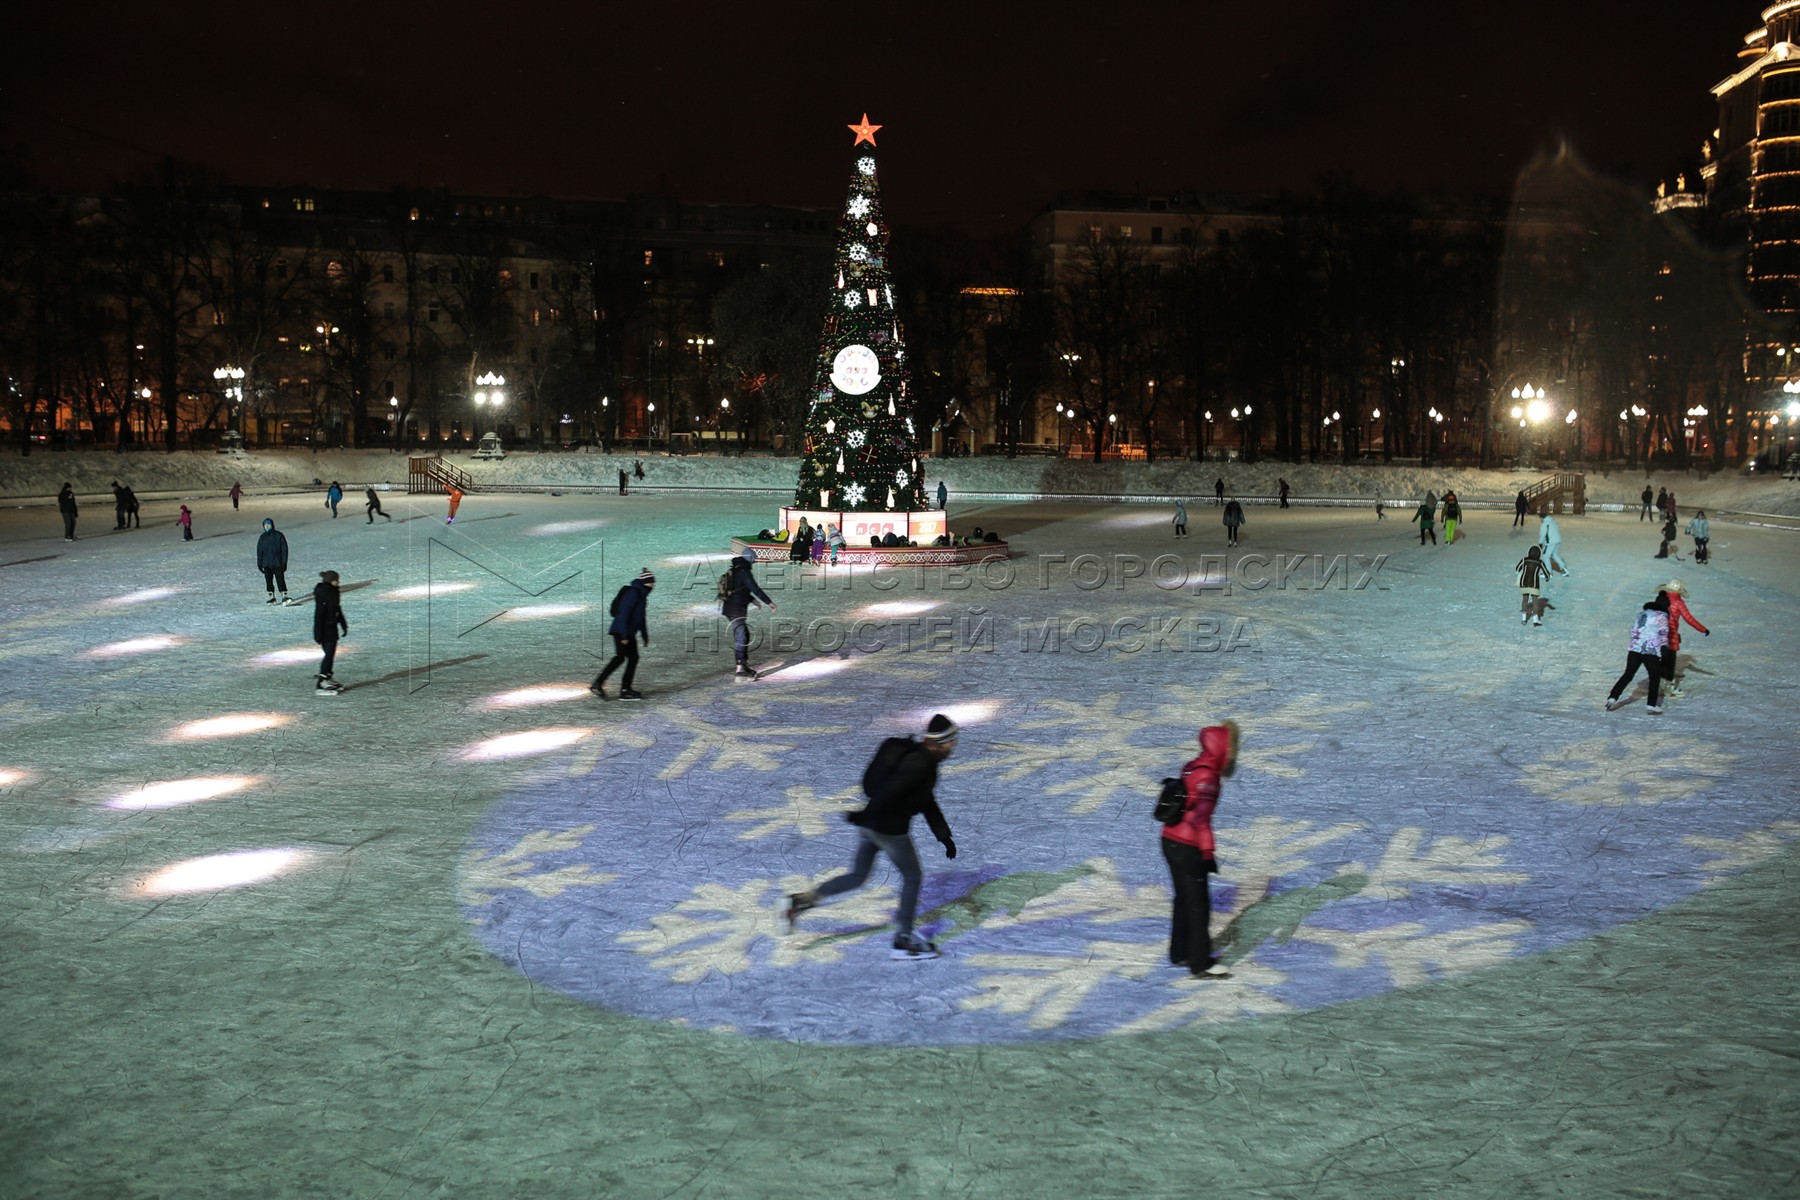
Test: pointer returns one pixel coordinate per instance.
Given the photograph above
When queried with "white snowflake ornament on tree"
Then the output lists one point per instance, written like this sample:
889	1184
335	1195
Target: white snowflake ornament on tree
859	206
853	495
859	253
855	438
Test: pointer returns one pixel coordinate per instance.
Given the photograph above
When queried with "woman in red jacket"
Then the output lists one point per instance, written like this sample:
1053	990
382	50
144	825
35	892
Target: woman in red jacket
1187	845
1678	612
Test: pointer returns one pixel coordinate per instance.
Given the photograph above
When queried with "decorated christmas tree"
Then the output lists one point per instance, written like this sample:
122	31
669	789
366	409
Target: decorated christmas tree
858	454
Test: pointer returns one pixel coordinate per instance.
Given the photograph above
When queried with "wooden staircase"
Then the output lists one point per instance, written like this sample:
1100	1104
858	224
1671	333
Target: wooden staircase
434	475
1550	495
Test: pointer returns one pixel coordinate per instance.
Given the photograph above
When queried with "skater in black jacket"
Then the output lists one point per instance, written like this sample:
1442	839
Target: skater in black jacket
630	622
272	558
373	507
65	504
328	620
900	784
742	591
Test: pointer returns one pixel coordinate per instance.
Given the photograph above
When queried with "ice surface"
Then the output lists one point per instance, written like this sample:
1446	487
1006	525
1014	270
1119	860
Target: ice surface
1430	791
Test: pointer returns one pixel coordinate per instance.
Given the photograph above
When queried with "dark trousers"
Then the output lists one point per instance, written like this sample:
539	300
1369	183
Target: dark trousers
187	533
1652	664
625	650
68	525
1190	940
1519	515
1667	662
330	649
275	577
372	508
1427	531
1644	513
899	849
119	517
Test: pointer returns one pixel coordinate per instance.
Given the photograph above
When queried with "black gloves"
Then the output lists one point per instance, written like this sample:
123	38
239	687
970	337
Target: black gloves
949	849
1209	866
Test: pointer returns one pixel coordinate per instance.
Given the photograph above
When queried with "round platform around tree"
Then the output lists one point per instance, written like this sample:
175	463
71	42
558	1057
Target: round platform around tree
887	556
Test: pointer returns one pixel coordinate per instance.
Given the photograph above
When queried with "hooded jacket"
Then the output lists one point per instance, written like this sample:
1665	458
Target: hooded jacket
905	789
65	501
1532	569
632	620
1201	778
271	550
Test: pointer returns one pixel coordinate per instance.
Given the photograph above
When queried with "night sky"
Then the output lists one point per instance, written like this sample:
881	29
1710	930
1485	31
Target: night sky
990	109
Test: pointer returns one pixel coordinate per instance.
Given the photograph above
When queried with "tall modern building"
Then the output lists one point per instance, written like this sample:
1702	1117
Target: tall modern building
1752	177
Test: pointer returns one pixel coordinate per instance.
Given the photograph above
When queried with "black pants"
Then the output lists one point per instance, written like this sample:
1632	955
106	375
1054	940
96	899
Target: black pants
119	517
1190	940
1652	664
1427	531
373	507
1519	516
330	649
1644	513
625	650
69	526
275	577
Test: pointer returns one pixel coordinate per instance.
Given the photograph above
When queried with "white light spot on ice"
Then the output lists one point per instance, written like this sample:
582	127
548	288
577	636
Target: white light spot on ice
8	775
175	792
899	608
218	871
147	594
523	745
810	670
537	612
421	590
689	559
544	693
229	726
970	712
143	645
296	654
556	527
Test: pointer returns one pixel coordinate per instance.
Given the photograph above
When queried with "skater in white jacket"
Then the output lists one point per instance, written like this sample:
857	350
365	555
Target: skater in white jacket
1550	542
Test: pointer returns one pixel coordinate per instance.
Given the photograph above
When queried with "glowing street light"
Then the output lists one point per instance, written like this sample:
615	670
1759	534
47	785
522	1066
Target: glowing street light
490	384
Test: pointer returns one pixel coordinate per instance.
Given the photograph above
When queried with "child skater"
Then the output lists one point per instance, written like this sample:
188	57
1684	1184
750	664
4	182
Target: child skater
1532	573
186	521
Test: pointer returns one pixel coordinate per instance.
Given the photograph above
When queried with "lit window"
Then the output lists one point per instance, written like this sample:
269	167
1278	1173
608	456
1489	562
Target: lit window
1125	231
649	257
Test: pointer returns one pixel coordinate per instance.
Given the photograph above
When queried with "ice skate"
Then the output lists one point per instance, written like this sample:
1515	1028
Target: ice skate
1611	705
271	599
1672	692
631	694
1212	970
327	686
797	903
912	949
1537	621
598	688
1524	617
1656	709
744	671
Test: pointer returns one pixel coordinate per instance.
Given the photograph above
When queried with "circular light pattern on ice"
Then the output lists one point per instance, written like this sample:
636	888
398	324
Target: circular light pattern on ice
10	775
543	693
690	559
229	725
537	612
141	597
523	745
143	645
421	590
173	793
217	872
969	712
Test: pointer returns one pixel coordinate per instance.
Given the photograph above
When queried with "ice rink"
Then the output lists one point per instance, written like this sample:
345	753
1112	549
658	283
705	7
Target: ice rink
466	930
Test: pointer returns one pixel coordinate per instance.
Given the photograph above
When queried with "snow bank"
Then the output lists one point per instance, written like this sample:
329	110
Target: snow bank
37	477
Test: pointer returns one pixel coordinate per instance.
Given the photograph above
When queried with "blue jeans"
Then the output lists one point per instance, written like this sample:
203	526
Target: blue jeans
740	638
899	849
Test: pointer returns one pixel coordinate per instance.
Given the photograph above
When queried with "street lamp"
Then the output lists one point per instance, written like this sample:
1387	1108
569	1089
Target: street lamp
231	383
489	385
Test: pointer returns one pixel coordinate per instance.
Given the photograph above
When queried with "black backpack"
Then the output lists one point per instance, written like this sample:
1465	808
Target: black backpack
619	599
725	589
1171	802
887	757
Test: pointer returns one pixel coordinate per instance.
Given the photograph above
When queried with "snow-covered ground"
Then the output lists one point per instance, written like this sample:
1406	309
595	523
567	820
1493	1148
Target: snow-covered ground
467	851
39	477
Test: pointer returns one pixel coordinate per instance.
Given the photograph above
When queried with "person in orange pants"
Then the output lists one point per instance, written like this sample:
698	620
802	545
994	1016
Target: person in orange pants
455	499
